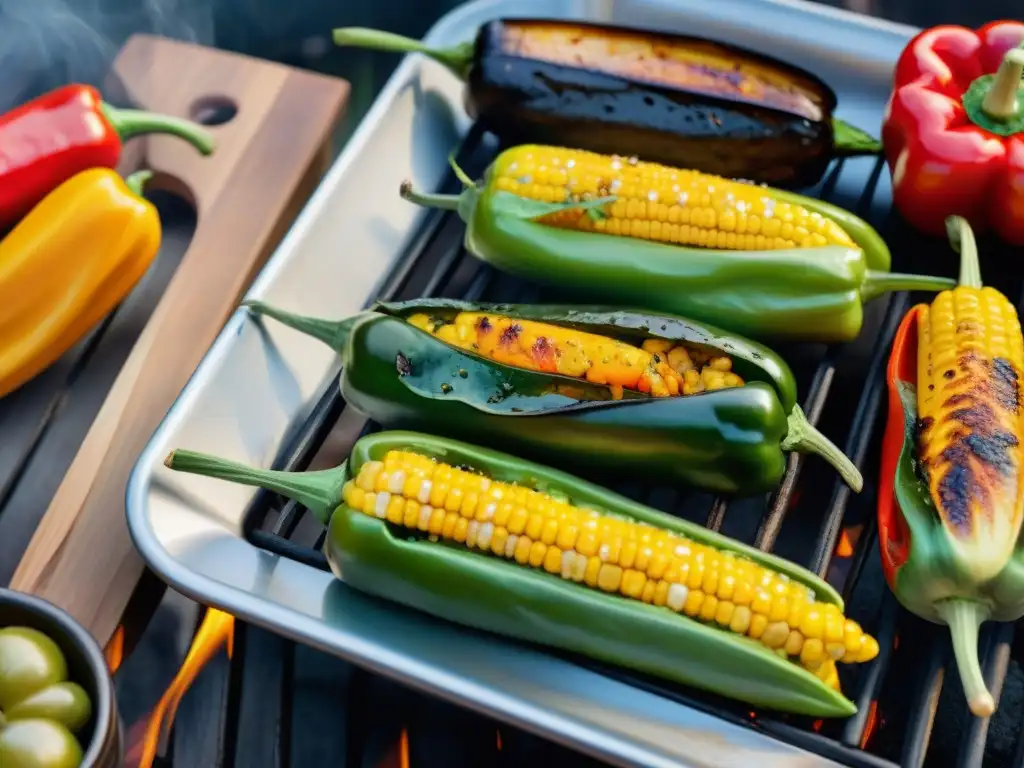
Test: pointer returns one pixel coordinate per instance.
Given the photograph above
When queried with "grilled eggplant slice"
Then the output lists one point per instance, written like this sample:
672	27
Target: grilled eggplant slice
682	101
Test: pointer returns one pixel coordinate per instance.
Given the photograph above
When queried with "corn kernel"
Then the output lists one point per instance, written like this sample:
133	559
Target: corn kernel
740	621
609	577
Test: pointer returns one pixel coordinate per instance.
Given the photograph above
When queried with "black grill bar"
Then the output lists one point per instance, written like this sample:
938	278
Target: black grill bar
717	514
860	435
860	557
922	713
286	548
436	264
871	679
813	407
995	661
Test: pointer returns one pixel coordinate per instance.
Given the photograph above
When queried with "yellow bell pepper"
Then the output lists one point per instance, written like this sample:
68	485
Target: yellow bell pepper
67	264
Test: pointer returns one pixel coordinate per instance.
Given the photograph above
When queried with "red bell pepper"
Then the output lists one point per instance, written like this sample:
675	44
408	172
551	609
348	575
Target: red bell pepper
954	129
50	139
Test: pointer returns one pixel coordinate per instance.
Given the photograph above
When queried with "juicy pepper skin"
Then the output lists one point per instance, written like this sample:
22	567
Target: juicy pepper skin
763	263
951	499
954	129
731	439
535	554
50	139
682	100
68	264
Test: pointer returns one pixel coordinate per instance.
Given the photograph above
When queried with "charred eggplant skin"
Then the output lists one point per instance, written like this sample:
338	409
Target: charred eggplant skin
525	98
681	101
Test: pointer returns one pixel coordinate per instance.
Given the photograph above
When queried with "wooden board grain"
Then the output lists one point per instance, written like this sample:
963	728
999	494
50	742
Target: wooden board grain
269	158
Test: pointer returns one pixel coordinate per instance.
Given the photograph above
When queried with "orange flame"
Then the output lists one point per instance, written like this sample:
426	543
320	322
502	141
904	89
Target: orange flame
397	755
845	546
403	749
216	631
114	652
497	738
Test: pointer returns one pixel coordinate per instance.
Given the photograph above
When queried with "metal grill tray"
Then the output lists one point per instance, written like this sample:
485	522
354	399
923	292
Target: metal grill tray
265	395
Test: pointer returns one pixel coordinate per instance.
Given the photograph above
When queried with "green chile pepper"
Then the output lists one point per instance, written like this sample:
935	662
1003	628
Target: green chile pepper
39	708
481	591
805	294
730	440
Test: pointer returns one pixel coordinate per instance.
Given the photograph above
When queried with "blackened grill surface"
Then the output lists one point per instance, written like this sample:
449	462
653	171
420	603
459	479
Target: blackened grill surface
911	709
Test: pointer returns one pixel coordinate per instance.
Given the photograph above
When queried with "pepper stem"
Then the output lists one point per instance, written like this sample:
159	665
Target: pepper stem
460	174
876	283
964	617
427	199
993	102
137	181
333	333
961	237
319	492
1000	101
802	436
458	58
133	122
848	140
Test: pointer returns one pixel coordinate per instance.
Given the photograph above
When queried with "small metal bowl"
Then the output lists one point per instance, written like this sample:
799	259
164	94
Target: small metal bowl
101	736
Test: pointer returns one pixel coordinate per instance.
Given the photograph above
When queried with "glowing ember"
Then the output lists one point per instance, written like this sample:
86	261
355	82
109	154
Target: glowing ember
216	631
872	723
845	546
397	755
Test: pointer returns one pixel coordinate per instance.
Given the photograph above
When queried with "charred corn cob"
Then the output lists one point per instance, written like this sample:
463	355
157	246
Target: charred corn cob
970	358
609	553
660	368
655	202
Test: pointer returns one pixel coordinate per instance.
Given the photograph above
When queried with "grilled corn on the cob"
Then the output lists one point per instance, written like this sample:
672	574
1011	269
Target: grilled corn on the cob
660	368
609	553
655	202
970	359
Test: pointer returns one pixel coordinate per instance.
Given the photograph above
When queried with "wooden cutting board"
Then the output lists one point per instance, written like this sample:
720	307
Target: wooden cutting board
270	155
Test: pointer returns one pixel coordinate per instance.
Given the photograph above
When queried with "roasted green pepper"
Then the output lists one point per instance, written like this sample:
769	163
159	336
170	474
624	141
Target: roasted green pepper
40	709
730	440
568	564
761	262
950	505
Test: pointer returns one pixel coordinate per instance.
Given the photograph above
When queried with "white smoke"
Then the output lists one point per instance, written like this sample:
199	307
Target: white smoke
47	43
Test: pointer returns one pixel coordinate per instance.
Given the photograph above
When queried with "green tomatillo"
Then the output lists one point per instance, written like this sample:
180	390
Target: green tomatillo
40	709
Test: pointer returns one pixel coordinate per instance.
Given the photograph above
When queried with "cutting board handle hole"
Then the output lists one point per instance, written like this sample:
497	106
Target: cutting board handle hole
213	110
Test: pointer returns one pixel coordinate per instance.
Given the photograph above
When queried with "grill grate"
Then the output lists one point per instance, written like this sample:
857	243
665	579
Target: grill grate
910	687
